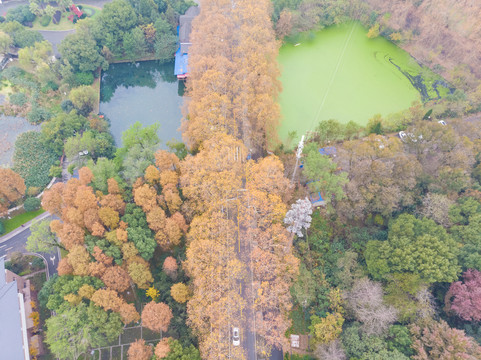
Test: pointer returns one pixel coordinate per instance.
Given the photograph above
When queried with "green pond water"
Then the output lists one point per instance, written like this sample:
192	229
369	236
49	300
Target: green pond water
145	91
342	74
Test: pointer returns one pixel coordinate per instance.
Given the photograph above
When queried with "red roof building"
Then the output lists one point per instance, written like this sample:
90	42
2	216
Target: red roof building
76	10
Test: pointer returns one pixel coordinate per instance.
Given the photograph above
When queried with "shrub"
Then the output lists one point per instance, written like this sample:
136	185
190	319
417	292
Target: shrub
31	204
67	106
84	78
38	114
2	228
45	20
22	14
55	171
38	264
71	168
18	99
32	160
51	85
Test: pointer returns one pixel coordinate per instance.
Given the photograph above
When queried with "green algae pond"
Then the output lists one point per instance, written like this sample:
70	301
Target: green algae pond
339	73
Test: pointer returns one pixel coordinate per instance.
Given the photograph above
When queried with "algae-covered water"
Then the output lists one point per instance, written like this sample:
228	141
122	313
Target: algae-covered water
342	74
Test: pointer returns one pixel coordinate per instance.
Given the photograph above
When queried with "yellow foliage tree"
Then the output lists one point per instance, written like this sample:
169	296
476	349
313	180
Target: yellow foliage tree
152	292
180	292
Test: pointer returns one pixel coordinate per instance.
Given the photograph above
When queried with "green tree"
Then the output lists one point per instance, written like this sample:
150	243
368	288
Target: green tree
104	169
117	18
469	235
304	289
178	352
83	98
322	171
42	239
97	144
138	135
165	40
76	329
82	52
56	131
134	43
417	246
139	232
5	42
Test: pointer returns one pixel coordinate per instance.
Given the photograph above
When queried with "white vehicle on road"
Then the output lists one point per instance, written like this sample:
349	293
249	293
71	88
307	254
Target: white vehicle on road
403	135
235	337
442	122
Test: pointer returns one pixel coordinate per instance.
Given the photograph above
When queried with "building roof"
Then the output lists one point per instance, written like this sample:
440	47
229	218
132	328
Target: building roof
328	150
181	62
76	10
184	29
11	339
185	26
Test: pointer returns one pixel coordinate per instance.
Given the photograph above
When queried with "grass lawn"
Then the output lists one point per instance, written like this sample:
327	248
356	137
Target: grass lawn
65	23
17	221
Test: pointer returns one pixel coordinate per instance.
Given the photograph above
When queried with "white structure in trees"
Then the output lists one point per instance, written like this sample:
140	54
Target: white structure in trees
299	217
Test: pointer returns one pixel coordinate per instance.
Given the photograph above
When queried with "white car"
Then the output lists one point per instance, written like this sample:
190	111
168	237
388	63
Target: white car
235	337
442	122
403	135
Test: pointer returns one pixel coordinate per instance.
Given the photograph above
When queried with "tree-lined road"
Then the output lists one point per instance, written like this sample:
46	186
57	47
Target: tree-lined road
15	242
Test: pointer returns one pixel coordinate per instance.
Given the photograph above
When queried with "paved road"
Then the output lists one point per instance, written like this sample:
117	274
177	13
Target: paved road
16	243
10	4
55	37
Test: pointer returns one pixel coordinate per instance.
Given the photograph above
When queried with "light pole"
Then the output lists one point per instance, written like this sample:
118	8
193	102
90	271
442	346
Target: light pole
298	156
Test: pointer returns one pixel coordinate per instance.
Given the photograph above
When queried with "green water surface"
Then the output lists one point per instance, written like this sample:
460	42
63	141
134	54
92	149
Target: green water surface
342	74
145	91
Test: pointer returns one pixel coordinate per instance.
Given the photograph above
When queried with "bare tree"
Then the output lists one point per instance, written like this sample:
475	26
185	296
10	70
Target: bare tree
365	301
330	351
426	307
299	217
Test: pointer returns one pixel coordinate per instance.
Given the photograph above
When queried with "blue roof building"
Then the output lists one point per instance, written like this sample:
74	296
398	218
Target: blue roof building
328	150
184	29
13	327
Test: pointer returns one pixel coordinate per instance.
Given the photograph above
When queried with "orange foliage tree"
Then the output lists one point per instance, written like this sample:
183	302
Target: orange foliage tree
116	278
156	316
139	351
12	188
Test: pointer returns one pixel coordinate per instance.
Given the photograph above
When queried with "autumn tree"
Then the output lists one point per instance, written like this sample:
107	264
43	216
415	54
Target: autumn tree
326	329
436	341
180	292
466	296
140	274
116	278
162	349
128	313
107	299
12	188
170	267
52	199
139	351
156	316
